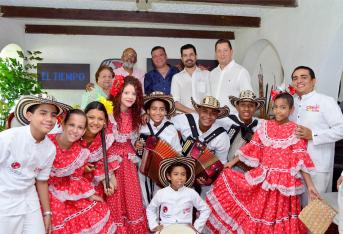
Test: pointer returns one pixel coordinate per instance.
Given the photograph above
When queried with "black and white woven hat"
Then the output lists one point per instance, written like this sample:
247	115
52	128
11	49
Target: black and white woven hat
166	163
29	100
247	96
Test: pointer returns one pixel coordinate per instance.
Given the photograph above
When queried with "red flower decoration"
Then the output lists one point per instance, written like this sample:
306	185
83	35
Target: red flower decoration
117	85
274	93
291	90
60	119
15	165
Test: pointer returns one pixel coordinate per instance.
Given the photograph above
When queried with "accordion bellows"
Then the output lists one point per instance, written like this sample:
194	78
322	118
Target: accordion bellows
155	151
317	216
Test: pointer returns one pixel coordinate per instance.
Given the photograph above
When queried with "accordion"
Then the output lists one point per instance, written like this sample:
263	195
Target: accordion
155	151
207	164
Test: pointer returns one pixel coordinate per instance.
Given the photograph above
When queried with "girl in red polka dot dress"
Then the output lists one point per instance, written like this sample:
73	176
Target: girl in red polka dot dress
265	199
97	119
126	203
75	206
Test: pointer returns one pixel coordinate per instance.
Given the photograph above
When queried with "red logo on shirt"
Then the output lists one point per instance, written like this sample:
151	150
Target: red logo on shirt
186	210
15	165
37	170
165	209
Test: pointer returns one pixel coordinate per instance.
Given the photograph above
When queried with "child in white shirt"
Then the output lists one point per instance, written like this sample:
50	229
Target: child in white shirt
26	157
176	201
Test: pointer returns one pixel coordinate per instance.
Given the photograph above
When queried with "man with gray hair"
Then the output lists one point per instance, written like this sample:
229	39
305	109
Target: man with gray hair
129	59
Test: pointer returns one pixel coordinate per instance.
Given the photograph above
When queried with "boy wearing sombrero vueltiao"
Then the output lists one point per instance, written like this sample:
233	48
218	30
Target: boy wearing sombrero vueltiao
175	202
242	125
204	127
158	106
26	156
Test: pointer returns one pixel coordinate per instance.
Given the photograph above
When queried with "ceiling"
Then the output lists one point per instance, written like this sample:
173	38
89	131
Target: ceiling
151	18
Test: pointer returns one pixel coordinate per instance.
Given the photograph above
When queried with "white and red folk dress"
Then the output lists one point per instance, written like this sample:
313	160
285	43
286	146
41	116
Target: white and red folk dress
96	158
69	191
265	199
126	203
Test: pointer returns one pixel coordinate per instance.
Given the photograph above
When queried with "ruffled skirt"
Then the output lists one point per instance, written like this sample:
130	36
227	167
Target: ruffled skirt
238	207
126	203
81	216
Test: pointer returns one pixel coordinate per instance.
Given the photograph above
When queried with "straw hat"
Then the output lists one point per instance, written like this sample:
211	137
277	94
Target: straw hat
213	103
166	163
247	96
167	99
29	100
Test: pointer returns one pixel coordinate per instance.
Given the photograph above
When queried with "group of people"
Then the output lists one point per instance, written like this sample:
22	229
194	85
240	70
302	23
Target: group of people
85	179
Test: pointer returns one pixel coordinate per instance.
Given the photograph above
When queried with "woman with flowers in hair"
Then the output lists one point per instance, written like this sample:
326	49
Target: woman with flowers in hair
126	202
97	121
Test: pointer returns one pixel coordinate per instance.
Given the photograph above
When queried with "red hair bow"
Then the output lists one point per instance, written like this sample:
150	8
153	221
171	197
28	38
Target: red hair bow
117	85
275	92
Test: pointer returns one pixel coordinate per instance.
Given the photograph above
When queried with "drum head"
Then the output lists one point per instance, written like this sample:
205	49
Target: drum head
177	229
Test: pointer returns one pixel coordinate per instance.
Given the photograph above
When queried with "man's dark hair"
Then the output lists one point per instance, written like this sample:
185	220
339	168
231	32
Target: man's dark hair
158	48
221	41
310	71
188	46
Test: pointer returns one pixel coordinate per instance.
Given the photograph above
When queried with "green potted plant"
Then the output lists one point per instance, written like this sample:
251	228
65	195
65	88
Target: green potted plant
17	79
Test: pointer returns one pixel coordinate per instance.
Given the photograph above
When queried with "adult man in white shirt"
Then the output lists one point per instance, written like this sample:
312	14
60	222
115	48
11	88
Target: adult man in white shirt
320	122
229	78
129	59
190	82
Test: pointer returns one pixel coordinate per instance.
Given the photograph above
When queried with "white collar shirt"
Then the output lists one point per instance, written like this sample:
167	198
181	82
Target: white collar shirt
322	115
220	144
229	81
22	161
184	86
169	134
177	207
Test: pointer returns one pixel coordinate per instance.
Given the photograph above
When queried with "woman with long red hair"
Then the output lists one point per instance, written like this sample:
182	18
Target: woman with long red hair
126	203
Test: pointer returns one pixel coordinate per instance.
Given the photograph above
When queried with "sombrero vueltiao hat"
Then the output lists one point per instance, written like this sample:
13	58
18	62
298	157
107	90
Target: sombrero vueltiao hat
213	103
247	96
162	97
29	100
166	163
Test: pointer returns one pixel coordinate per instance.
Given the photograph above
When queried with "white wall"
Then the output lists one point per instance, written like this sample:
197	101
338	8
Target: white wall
303	36
11	32
310	34
94	49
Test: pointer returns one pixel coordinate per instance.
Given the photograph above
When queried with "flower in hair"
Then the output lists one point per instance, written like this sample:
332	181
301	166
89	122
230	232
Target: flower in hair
60	118
108	104
277	91
117	85
274	93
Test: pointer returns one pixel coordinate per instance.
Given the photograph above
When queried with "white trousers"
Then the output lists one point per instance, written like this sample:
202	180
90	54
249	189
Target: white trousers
31	223
321	181
340	208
